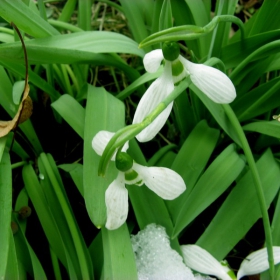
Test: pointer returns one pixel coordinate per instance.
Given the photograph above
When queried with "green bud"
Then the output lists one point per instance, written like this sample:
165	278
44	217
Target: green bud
123	161
170	50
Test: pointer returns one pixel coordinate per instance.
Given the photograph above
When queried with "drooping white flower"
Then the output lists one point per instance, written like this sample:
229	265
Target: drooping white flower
257	262
214	83
165	182
200	260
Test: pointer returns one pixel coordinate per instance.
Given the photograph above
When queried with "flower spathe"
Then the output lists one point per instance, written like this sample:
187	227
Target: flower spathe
165	182
212	82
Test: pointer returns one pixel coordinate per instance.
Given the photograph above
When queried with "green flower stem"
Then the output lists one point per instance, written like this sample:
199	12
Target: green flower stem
130	131
68	216
258	184
190	32
18	164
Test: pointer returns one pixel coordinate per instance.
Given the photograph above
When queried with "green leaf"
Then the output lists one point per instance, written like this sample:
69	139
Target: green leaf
270	128
72	112
192	159
13	266
119	261
59	204
69	48
136	12
2	146
214	181
266	18
27	20
218	112
235	53
103	112
5	210
18	88
165	18
47	219
76	172
241	209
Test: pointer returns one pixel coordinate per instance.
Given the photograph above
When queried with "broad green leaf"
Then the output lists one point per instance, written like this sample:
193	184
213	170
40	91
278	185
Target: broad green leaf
214	181
13	266
5	210
135	11
241	209
266	18
192	159
218	112
66	222
165	18
18	88
259	100
270	128
27	20
199	17
2	146
69	48
119	261
76	172
72	112
103	112
221	33
84	15
235	53
67	10
26	255
40	203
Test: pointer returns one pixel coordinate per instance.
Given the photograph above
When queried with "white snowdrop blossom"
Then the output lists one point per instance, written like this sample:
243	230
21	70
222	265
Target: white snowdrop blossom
165	182
200	260
211	81
257	262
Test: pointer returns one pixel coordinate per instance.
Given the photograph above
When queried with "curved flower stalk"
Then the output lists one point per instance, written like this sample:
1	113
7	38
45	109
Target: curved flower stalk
165	182
200	260
214	83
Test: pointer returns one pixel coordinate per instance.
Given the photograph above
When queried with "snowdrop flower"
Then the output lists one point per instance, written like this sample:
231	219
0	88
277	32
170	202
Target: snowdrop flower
214	83
200	260
165	182
257	262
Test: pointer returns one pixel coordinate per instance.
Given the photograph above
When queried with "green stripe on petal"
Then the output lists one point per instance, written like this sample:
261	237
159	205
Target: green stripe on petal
133	178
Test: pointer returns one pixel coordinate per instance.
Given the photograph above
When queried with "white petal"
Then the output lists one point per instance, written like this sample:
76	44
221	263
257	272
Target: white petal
200	260
257	262
211	81
116	200
165	182
100	141
156	93
152	60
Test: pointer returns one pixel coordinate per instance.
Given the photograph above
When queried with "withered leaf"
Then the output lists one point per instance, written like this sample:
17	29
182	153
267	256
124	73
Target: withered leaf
7	126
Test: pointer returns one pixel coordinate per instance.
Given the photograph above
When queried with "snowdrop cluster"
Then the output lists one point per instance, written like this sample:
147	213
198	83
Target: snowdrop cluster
163	181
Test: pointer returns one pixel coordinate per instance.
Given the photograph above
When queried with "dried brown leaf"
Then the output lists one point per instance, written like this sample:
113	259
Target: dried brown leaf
7	126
